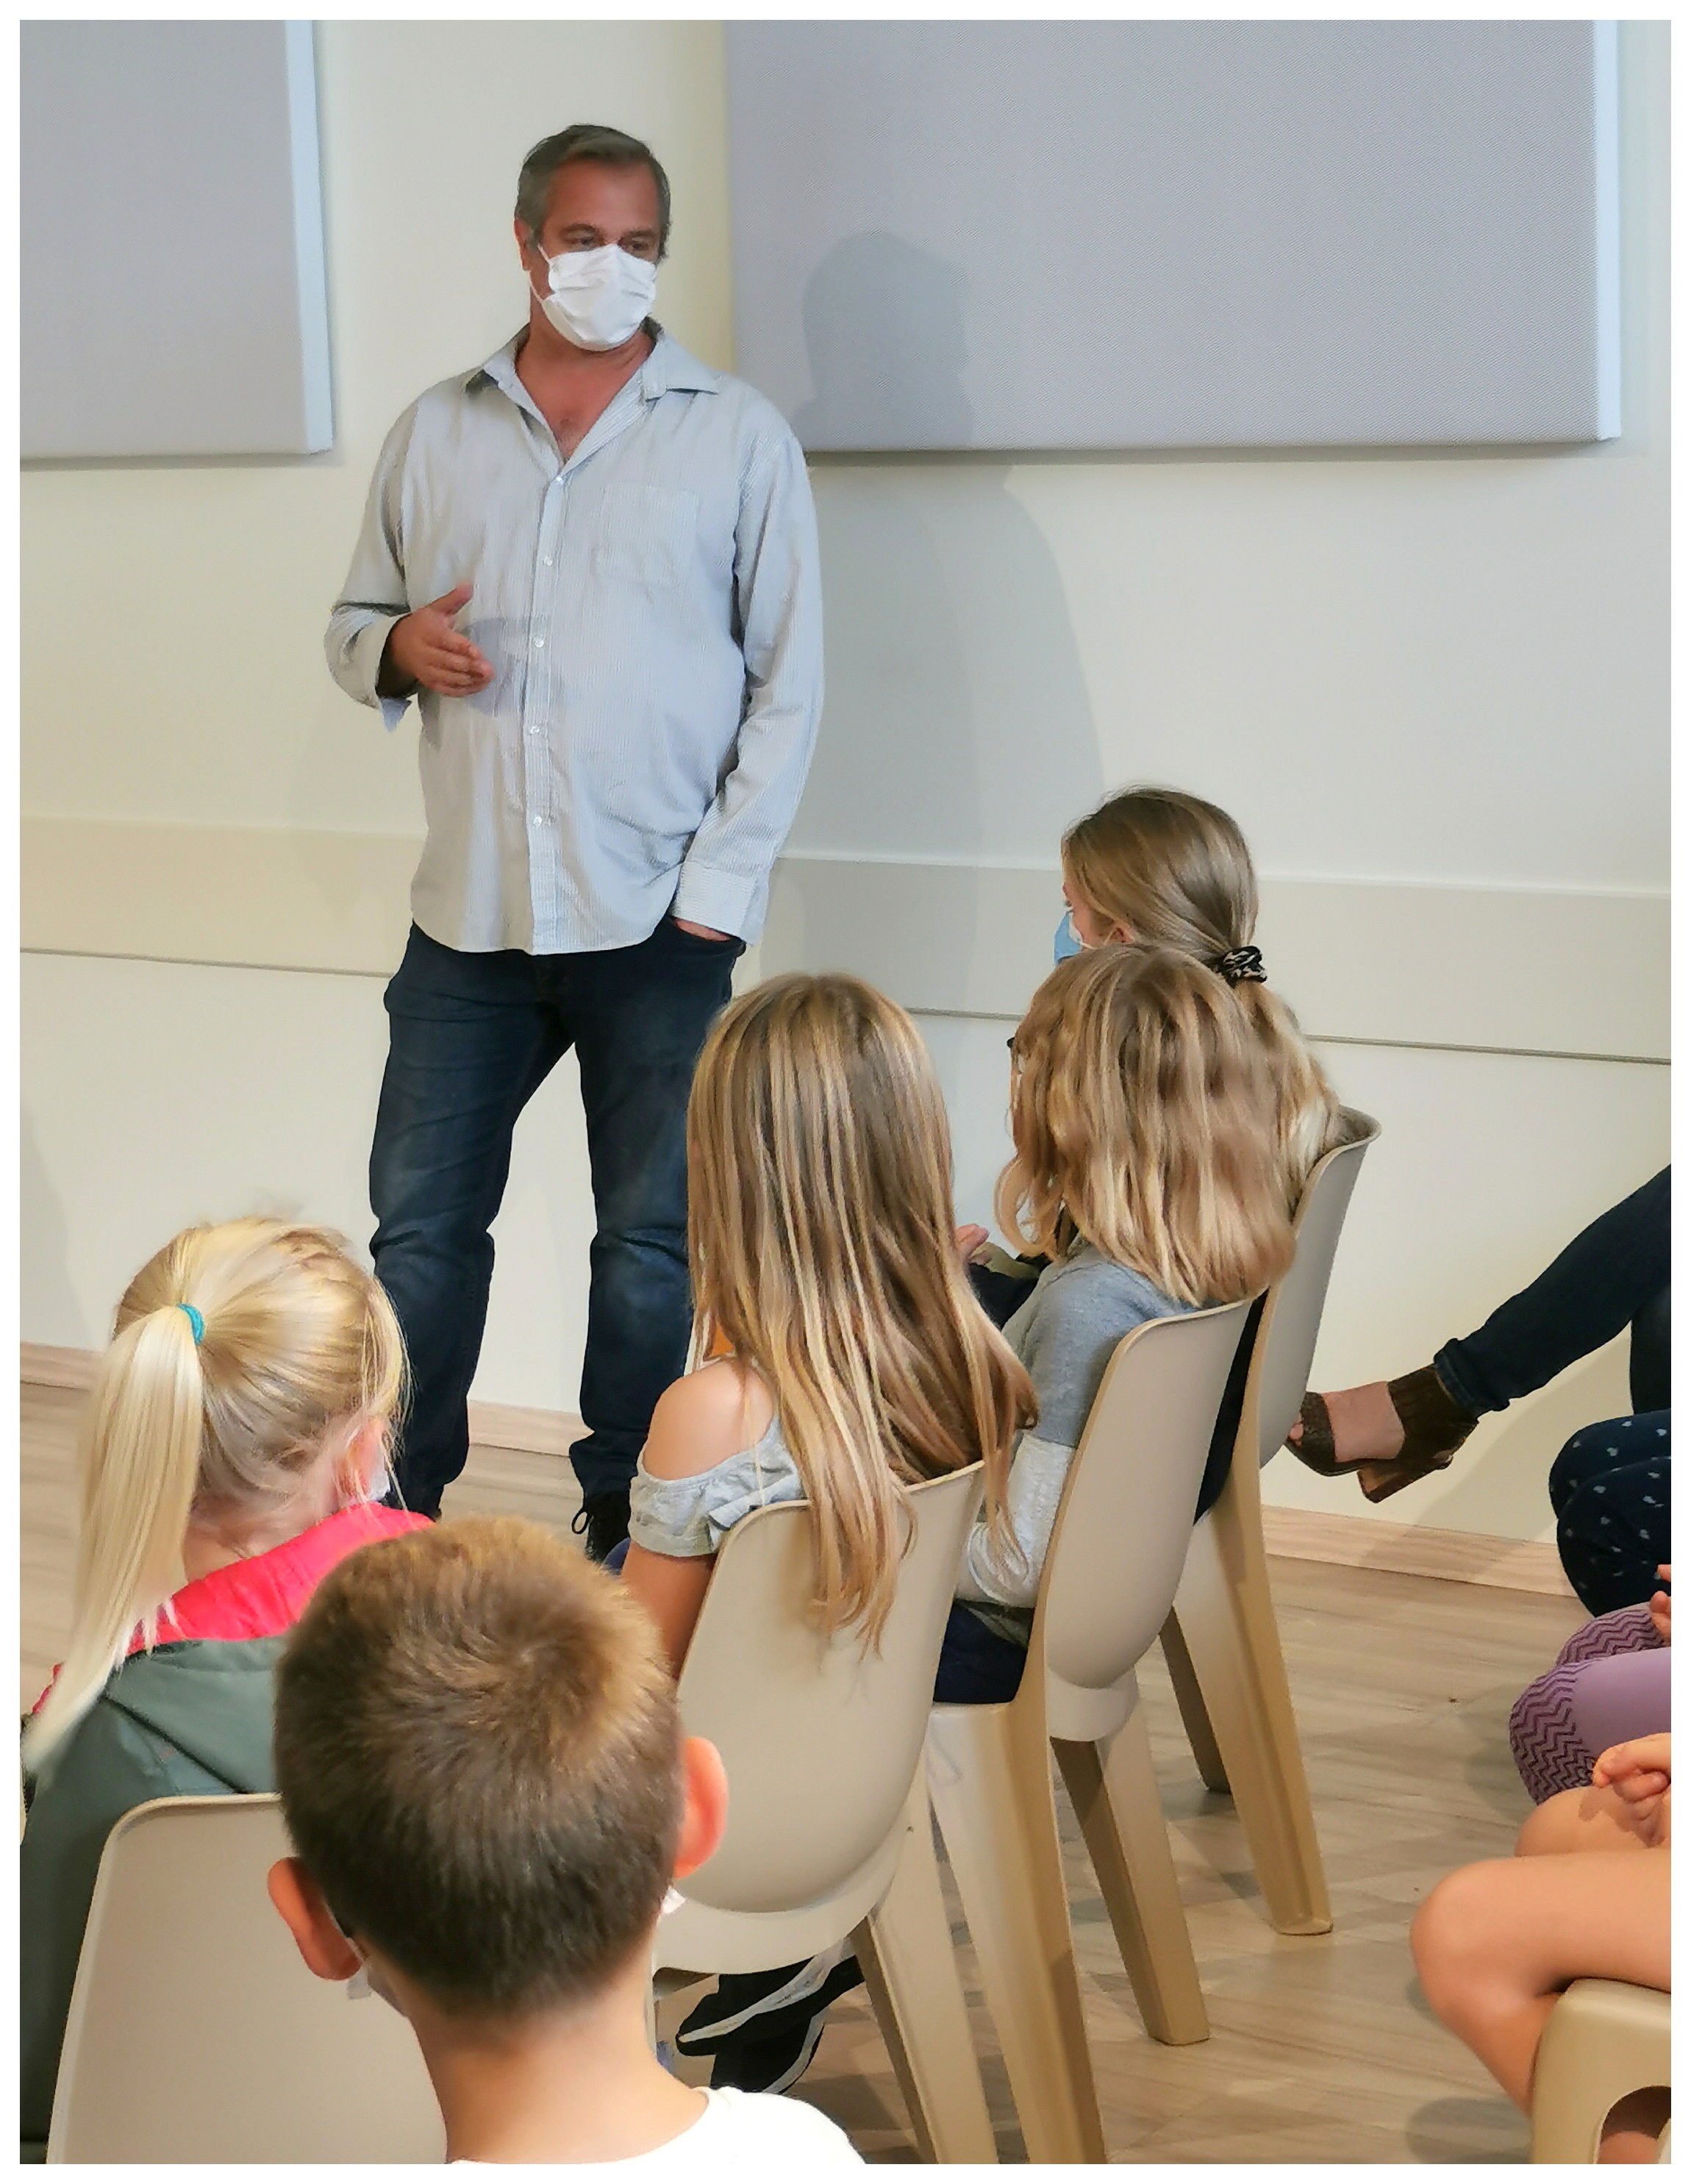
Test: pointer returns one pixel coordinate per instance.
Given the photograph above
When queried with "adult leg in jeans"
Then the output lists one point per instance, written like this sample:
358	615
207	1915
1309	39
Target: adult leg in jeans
638	1017
1612	1274
469	1039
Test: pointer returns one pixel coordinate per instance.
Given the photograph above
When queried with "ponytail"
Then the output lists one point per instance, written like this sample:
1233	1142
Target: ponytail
1172	871
140	1465
221	1411
1309	1121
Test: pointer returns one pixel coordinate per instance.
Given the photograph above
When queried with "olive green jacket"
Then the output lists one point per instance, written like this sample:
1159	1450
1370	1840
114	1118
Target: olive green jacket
186	1720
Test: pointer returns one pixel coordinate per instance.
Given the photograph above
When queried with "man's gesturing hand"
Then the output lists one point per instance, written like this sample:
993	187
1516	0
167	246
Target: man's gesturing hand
424	648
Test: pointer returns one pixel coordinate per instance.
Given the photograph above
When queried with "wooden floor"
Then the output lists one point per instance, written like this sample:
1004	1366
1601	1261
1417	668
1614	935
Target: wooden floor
1322	2050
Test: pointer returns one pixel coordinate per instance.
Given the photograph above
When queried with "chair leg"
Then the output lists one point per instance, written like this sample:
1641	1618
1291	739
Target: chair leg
1194	1715
992	1791
1113	1790
910	1969
1225	1612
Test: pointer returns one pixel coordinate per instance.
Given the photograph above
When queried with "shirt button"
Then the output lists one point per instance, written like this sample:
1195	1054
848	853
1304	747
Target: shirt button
546	560
539	643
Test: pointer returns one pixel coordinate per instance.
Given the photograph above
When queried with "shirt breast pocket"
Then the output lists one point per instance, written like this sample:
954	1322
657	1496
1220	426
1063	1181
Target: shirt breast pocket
646	534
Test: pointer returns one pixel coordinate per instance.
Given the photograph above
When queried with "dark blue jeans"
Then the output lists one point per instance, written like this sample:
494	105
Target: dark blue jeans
1614	1274
470	1039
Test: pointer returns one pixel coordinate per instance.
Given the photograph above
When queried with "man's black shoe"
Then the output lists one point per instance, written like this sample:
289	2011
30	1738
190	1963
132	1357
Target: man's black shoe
605	1519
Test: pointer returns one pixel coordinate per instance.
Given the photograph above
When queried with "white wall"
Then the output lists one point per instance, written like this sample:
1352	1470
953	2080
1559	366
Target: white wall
199	692
1409	672
189	600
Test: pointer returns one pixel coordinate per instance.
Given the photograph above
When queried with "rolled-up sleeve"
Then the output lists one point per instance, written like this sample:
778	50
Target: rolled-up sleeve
374	597
723	878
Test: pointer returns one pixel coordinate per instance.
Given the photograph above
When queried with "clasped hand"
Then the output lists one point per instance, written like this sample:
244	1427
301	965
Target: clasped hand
1640	1773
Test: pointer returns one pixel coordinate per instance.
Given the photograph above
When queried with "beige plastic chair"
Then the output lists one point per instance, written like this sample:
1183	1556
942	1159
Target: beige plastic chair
1603	2041
829	1833
1110	1572
196	2034
1222	1642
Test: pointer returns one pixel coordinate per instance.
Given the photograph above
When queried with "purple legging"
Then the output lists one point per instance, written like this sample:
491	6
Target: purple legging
1611	1683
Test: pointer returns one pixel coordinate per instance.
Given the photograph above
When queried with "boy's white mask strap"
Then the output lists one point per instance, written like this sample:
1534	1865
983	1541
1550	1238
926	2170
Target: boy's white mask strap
358	1987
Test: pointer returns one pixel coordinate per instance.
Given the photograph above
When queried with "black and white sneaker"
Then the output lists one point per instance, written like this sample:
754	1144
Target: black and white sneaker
763	2027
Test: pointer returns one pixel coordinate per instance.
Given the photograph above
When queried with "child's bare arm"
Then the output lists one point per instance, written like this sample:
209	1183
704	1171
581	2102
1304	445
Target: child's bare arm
671	1590
700	1422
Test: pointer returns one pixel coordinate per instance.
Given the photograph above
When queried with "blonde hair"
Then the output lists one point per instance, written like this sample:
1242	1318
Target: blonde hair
297	1341
820	1235
1174	872
1137	1108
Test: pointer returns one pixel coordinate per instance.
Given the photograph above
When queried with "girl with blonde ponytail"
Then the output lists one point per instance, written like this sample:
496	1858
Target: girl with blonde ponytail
1166	869
234	1444
1163	867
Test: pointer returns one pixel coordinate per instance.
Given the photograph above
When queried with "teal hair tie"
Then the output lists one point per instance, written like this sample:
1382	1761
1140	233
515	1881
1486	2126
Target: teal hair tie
194	1321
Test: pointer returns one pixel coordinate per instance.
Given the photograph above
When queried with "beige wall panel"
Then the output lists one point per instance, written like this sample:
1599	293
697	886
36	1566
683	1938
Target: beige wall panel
1532	969
1529	969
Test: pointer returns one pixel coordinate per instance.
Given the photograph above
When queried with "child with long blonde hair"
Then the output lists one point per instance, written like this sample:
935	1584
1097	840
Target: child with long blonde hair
235	1441
819	1235
820	1224
1145	1176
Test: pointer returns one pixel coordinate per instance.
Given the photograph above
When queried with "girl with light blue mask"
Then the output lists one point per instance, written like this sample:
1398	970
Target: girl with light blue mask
1167	868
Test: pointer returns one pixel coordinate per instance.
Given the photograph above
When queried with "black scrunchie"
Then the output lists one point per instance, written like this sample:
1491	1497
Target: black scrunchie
1242	966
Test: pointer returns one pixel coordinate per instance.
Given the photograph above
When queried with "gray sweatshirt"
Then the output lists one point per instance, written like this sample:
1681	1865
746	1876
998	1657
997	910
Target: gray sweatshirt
1066	1335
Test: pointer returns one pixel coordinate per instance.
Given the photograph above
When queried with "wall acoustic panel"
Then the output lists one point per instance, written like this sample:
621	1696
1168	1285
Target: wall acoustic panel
173	292
1005	235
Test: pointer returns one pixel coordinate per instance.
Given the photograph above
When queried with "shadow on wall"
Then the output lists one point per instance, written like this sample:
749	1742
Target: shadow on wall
958	725
51	1312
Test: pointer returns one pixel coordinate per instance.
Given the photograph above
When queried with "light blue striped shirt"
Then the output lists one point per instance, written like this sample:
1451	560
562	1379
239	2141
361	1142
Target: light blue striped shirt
652	609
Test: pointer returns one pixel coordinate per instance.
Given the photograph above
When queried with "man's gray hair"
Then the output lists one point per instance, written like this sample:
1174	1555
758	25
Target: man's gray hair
585	140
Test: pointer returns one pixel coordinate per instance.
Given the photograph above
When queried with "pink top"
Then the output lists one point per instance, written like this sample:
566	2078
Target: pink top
266	1594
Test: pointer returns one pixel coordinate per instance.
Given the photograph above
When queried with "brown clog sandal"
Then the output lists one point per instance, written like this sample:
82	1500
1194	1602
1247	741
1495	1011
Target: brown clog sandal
1435	1426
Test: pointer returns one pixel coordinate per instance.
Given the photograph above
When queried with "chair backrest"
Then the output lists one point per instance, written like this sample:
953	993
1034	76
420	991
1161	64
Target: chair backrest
1292	1318
820	1737
1121	1534
195	2033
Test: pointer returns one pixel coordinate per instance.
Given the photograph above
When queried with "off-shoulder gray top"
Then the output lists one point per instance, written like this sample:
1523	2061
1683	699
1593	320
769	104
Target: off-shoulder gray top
1066	1335
690	1516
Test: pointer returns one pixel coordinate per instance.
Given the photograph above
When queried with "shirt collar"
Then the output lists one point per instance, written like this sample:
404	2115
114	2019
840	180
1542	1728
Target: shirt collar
669	369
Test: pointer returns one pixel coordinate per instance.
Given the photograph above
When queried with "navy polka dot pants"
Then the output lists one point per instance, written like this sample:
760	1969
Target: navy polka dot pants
1609	1488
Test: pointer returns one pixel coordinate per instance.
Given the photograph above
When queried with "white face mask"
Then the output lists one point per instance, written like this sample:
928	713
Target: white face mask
598	298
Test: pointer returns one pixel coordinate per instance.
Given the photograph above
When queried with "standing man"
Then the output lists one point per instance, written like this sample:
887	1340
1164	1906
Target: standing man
592	562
